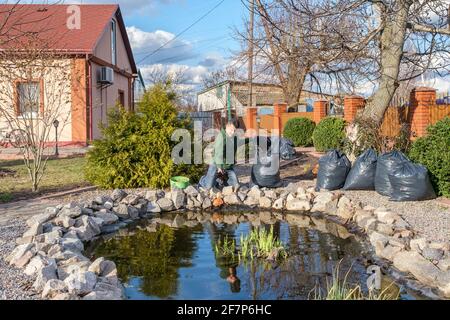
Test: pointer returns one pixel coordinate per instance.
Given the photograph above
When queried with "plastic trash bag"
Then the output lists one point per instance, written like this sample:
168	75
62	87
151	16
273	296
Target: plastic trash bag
333	170
410	182
387	163
287	149
266	172
362	174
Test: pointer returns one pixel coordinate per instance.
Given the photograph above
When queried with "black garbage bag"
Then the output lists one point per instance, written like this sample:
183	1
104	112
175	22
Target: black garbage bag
333	170
362	174
287	149
266	172
387	163
410	182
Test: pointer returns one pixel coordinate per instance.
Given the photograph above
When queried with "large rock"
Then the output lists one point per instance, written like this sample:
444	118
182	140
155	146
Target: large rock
153	207
105	291
88	230
422	269
81	283
298	205
227	191
191	191
34	230
278	204
255	193
65	222
53	288
432	254
107	217
73	212
232	199
154	195
118	195
65	270
251	202
271	194
131	199
388	252
122	211
37	263
71	244
21	255
325	202
44	275
178	198
165	204
444	264
48	215
345	209
207	203
265	202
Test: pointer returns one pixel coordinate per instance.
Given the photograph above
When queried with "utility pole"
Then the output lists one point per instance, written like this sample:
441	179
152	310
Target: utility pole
250	53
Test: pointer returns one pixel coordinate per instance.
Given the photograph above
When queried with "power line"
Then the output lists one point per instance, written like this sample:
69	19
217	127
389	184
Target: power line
182	32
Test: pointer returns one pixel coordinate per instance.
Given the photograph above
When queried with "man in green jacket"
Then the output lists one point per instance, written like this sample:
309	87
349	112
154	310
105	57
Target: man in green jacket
225	147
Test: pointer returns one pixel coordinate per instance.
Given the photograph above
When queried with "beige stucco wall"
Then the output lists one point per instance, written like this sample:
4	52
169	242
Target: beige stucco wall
57	96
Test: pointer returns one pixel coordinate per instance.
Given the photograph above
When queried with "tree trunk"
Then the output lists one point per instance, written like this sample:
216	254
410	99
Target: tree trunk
392	42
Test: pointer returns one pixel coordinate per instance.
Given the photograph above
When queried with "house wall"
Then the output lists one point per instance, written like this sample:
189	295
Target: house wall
105	98
213	99
57	97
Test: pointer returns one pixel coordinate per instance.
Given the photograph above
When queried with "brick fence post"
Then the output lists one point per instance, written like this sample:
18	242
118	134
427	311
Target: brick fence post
250	118
278	110
352	104
320	110
421	99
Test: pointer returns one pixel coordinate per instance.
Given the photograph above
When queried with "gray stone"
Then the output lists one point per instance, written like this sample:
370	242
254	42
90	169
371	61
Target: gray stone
108	205
65	297
232	200
271	194
65	222
48	215
418	244
165	204
191	191
100	200
153	207
53	288
88	230
385	229
298	205
388	252
206	203
34	230
105	291
67	269
265	202
242	196
422	269
432	254
122	211
21	255
178	198
345	209
378	239
133	212
118	195
107	217
255	193
154	195
43	276
37	263
444	264
178	221
325	202
131	199
278	204
81	283
71	244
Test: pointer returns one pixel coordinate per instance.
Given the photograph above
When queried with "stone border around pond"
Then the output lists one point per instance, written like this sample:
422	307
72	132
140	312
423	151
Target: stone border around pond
52	248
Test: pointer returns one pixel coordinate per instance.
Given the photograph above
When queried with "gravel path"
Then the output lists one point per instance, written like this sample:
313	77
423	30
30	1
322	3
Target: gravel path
14	284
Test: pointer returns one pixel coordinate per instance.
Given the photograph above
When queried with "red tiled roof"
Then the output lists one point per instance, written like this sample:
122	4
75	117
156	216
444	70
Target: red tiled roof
49	23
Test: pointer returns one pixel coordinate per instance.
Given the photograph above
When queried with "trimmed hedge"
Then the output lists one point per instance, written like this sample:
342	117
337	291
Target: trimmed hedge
136	148
433	151
300	131
329	134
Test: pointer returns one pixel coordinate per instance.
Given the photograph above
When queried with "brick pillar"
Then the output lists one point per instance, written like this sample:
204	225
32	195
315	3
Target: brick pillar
320	110
250	118
278	110
421	99
352	104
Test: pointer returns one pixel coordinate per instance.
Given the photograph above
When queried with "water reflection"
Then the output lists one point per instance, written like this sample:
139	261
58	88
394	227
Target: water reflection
182	263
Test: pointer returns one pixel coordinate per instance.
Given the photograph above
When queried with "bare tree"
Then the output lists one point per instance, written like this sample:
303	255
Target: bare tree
299	43
217	76
35	86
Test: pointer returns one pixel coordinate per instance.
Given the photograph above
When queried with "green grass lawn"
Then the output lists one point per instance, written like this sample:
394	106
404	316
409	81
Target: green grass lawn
60	175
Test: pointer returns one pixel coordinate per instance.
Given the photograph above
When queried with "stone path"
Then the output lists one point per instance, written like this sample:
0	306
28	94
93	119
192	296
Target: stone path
24	209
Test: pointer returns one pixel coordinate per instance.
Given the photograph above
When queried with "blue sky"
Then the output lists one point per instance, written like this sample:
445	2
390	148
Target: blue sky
205	47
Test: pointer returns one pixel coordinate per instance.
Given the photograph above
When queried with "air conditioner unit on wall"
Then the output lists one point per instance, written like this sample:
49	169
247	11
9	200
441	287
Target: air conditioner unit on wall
106	75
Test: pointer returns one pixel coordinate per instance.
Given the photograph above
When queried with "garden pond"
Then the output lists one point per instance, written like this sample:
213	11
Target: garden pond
157	261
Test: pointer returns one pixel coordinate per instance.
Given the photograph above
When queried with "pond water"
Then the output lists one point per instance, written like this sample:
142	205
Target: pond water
160	262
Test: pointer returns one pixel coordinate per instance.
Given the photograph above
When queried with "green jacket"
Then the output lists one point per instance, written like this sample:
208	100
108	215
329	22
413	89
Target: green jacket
220	147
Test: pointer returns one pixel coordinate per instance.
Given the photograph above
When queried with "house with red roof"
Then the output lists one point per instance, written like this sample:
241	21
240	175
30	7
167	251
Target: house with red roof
94	40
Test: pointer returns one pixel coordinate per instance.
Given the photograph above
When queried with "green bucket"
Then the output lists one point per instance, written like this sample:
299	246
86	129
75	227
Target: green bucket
179	183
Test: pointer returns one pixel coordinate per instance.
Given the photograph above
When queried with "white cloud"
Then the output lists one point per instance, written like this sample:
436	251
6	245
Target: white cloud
145	44
192	75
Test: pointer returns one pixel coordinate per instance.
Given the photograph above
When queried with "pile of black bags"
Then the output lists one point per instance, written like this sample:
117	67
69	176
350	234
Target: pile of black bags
287	149
391	174
266	172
